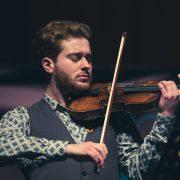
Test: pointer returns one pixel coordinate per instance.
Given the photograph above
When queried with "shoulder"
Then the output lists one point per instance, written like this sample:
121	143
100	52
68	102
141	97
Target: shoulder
18	113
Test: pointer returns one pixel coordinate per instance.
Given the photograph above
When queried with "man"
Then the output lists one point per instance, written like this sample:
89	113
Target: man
48	144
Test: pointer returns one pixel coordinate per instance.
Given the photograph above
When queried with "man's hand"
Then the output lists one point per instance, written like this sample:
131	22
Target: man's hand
96	151
170	97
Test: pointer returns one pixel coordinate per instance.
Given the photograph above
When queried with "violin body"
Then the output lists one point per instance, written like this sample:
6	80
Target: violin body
138	97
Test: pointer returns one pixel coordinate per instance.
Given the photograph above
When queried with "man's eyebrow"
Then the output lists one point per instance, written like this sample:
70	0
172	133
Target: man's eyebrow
79	53
75	53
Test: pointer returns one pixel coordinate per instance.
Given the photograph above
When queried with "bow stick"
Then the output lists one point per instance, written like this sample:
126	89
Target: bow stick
109	106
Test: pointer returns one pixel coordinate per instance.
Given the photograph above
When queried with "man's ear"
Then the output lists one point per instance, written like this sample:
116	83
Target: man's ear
48	65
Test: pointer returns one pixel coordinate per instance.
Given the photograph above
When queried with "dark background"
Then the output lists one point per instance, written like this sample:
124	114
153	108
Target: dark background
151	52
152	26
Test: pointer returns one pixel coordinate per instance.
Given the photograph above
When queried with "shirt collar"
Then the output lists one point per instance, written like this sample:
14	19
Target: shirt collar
53	103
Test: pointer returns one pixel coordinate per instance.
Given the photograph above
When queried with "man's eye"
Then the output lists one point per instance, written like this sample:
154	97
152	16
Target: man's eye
75	57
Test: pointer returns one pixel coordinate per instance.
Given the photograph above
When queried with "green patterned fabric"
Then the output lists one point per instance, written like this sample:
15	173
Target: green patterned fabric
77	132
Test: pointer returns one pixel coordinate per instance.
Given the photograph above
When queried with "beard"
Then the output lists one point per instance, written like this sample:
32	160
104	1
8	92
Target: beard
68	85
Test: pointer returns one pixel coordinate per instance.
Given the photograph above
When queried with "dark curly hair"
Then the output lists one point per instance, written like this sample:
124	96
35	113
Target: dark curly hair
48	39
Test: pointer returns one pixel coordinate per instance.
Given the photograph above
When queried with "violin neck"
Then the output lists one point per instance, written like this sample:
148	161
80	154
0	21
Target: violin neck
141	88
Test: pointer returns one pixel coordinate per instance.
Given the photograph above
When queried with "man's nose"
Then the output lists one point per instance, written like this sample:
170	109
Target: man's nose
85	63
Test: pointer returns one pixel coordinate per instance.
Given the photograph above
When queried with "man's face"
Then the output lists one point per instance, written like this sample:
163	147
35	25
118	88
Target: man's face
73	68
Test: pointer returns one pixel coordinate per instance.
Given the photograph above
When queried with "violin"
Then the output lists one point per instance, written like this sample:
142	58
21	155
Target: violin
134	97
103	99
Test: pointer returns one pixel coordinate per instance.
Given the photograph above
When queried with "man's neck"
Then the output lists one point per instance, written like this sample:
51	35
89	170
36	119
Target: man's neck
53	92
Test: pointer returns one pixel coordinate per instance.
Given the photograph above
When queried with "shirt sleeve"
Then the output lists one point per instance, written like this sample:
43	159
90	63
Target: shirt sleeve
139	160
16	144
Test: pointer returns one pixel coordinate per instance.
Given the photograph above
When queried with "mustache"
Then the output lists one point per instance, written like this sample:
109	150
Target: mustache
85	73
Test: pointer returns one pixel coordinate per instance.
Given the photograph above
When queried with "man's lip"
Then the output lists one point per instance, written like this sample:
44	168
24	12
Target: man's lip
83	75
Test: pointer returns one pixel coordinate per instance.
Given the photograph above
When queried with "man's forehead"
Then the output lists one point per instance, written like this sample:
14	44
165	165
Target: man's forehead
74	41
75	44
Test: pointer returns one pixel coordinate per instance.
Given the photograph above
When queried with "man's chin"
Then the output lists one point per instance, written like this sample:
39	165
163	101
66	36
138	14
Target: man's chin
82	86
